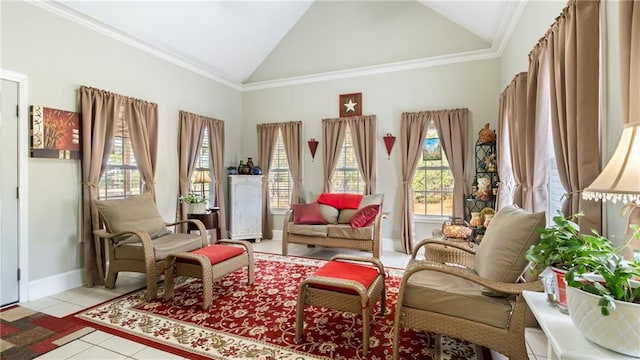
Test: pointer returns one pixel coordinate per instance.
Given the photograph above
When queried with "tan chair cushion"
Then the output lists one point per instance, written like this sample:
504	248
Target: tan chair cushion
374	199
454	296
345	231
133	213
501	254
308	230
163	246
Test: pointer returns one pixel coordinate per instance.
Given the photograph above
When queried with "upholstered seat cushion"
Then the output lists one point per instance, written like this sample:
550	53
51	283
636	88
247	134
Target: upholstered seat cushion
365	275
137	212
163	246
454	296
345	231
217	253
308	230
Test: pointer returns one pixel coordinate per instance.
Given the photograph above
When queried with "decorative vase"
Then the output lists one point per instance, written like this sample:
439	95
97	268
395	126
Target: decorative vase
476	220
619	331
256	170
250	163
232	170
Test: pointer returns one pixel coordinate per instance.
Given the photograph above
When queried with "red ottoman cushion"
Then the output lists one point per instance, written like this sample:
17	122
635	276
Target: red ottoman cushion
218	253
365	275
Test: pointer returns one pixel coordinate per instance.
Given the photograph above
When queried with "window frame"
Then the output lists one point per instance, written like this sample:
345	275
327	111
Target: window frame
279	153
343	166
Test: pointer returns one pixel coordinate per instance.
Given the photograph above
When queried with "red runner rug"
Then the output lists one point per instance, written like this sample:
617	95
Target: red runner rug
26	333
259	321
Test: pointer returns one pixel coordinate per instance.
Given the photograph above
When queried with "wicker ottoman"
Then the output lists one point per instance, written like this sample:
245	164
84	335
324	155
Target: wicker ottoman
209	263
344	286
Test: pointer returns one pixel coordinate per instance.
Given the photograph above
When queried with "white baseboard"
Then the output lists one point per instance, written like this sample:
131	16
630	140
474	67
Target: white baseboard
55	284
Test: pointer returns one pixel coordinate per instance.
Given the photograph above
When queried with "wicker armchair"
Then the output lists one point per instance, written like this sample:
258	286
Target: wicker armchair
483	304
138	239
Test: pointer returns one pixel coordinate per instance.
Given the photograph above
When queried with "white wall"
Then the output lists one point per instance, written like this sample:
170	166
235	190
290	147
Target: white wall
59	56
473	85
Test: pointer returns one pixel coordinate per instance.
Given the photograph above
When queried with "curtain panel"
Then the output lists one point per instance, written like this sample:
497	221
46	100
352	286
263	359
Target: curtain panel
190	138
100	112
363	133
267	138
333	133
503	146
292	138
517	115
572	45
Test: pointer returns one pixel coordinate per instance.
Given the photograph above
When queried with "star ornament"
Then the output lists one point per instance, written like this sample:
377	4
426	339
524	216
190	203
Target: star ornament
350	104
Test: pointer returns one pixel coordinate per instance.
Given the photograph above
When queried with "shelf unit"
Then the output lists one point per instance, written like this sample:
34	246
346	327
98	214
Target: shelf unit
486	162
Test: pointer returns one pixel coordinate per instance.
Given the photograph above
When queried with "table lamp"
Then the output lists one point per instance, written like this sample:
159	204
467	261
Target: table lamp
202	177
620	179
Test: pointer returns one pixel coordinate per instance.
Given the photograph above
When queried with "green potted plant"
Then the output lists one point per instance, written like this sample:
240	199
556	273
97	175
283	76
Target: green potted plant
196	204
559	247
604	294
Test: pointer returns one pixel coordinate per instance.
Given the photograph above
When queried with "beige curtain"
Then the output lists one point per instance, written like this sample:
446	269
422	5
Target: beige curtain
190	136
505	189
333	132
537	142
363	133
518	137
100	112
292	137
267	137
629	16
142	121
572	44
453	130
216	145
413	131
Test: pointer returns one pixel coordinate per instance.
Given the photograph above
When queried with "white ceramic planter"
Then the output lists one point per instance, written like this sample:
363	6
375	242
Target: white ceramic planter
620	331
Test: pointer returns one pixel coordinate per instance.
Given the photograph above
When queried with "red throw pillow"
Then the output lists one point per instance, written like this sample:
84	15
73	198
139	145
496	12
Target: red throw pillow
365	216
340	201
307	214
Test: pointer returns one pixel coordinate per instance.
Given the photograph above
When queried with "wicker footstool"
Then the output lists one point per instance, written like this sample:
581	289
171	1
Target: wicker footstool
209	264
344	286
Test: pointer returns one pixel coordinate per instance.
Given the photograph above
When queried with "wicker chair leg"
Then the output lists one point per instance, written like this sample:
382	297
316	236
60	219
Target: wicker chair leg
250	271
366	323
169	278
300	312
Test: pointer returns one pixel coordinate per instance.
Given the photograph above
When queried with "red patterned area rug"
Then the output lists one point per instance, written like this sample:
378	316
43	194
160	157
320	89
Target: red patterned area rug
258	321
26	333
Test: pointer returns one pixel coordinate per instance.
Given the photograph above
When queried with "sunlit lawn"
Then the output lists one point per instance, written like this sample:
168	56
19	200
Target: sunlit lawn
420	208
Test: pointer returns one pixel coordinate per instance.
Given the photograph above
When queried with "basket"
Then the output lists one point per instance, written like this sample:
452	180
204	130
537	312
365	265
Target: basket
457	229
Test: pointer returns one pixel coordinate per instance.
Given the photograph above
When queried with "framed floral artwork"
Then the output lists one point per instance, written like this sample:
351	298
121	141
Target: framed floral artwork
55	134
351	104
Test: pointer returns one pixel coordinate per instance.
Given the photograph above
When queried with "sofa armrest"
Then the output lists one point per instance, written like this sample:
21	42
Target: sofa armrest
288	216
377	230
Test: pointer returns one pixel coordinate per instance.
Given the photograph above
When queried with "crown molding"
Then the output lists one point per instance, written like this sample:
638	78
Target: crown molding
508	25
374	70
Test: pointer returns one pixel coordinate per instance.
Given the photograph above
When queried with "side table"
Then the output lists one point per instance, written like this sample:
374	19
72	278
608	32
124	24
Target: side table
209	219
564	341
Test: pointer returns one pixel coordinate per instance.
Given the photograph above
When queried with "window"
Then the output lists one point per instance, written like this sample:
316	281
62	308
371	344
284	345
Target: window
433	182
280	181
203	163
347	177
121	177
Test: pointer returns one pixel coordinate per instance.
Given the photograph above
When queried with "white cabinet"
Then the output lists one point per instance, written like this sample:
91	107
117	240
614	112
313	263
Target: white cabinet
245	207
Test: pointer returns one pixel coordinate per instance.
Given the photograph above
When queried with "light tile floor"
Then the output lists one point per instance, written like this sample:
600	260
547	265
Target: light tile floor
104	346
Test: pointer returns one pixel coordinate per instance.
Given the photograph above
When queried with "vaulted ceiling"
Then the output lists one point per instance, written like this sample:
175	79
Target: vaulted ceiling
251	42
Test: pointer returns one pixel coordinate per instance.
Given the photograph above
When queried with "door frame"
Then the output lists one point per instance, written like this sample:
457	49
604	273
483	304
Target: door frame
23	155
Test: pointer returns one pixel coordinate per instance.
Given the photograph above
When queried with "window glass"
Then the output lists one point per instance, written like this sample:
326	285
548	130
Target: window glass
203	163
433	182
280	181
121	177
347	177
